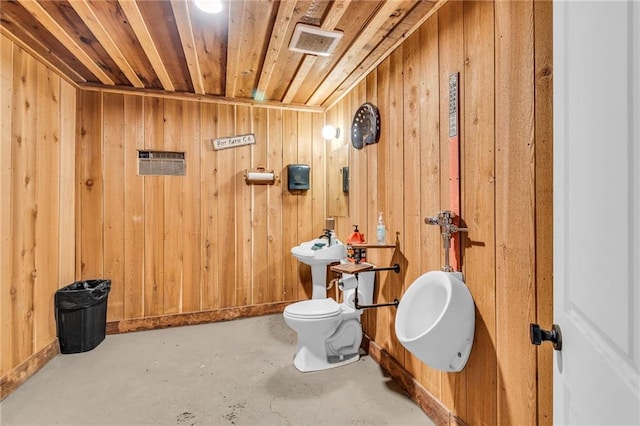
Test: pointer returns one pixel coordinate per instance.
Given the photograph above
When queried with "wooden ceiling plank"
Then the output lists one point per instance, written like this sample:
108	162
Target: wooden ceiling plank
211	34
329	23
236	21
35	48
280	28
86	13
338	8
183	22
257	25
54	28
131	10
422	12
355	53
301	75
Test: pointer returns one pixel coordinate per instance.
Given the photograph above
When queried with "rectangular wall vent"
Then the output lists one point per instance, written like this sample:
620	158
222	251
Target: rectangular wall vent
313	40
161	163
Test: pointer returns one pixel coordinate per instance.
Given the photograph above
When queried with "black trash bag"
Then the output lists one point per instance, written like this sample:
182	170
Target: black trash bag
82	294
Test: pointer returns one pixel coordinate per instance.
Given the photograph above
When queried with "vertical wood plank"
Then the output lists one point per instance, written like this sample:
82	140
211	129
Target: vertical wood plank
113	141
244	239
371	95
337	157
515	212
24	210
396	190
477	205
304	142
174	205
430	204
318	177
342	150
260	212
412	89
383	90
78	184
370	316
275	203
6	185
91	190
358	166
451	60
543	42
292	277
66	228
227	209
46	174
153	213
334	207
134	217
210	226
192	233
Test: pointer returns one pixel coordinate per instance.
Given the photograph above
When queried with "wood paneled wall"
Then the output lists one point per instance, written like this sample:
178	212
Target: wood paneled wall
207	241
37	206
502	51
204	241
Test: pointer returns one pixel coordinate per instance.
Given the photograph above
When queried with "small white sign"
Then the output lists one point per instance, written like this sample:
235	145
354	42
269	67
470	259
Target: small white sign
233	141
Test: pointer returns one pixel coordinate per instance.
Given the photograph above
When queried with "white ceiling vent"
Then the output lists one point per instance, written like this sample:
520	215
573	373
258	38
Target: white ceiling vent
161	163
313	40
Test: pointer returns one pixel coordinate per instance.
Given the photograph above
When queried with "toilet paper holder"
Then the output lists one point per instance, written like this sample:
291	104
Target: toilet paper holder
355	269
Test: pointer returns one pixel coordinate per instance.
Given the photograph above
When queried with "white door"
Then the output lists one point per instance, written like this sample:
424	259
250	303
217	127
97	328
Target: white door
597	211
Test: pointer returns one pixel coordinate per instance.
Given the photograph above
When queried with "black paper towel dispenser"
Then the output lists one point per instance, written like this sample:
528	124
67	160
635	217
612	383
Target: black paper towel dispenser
298	177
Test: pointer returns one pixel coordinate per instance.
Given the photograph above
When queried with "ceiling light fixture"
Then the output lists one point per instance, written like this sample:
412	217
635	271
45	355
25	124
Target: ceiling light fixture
209	6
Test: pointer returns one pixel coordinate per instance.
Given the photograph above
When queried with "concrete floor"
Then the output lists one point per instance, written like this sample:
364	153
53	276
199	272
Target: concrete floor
231	373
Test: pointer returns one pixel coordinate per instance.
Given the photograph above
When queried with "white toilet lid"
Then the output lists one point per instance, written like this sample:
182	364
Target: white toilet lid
314	308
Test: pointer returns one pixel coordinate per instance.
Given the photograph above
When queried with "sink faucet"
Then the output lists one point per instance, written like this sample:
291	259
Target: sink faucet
326	234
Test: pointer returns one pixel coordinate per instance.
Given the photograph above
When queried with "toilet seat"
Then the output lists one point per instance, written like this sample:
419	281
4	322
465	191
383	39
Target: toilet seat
313	309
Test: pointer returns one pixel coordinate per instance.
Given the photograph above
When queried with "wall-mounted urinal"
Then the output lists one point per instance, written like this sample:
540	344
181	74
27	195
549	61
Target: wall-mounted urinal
436	320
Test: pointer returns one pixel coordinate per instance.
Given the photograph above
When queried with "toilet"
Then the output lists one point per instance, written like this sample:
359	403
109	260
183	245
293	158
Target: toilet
330	333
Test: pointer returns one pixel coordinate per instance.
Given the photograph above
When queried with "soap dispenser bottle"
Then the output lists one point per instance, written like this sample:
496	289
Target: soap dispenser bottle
381	230
356	255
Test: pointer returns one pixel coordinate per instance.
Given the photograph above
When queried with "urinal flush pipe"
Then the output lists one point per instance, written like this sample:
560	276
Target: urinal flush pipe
444	219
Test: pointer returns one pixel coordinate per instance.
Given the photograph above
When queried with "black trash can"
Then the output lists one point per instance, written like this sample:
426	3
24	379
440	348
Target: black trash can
81	315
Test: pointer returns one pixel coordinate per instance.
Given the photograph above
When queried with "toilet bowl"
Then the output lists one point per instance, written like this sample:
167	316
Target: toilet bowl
330	333
435	320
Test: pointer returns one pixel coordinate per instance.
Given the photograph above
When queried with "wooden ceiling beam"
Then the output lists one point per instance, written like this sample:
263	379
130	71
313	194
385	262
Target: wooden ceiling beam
70	43
134	16
355	54
88	16
329	24
280	29
183	22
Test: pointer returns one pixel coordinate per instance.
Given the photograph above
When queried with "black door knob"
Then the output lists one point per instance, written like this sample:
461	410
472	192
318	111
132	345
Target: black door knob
539	335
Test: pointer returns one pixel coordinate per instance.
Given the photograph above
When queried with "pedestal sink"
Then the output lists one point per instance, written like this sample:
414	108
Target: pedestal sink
318	259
